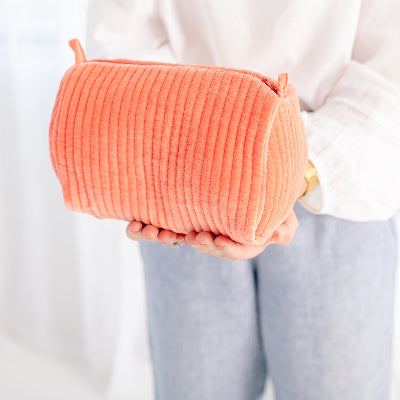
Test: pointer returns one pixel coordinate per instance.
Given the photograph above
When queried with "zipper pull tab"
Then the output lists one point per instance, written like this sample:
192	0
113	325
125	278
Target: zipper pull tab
283	80
78	50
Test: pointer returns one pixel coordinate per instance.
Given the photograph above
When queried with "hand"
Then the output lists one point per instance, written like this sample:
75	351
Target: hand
205	242
219	246
136	230
224	247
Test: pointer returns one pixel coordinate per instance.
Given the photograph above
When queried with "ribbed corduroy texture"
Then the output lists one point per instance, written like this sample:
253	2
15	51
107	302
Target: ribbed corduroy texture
182	147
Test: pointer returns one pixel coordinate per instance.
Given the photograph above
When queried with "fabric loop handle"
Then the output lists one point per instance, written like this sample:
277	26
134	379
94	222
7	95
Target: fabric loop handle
78	50
283	80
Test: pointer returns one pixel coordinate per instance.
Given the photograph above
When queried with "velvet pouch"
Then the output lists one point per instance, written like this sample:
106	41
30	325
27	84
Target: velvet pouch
182	147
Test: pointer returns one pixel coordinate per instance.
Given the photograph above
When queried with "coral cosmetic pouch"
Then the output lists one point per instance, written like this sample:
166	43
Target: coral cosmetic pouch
182	147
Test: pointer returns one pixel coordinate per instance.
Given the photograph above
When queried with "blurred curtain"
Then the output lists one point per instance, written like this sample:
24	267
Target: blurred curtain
70	285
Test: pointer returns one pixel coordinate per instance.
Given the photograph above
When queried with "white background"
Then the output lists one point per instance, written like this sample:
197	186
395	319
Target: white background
72	315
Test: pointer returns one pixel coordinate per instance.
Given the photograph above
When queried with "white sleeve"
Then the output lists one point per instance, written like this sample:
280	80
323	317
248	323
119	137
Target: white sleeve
129	29
354	138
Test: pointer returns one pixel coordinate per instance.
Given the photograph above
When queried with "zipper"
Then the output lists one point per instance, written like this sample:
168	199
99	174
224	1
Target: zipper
271	85
277	89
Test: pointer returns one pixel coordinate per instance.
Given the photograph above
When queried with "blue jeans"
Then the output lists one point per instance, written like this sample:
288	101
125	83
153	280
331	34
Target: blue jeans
315	315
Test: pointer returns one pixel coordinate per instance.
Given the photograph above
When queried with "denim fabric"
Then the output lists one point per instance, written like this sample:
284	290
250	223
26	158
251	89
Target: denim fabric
315	315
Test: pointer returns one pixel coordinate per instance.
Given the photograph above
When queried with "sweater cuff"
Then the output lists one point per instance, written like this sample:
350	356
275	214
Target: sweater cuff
353	143
315	201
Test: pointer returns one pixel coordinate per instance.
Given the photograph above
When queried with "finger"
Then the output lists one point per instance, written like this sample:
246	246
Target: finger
135	226
166	236
204	242
291	221
150	232
234	250
190	238
134	231
286	232
180	237
222	241
205	239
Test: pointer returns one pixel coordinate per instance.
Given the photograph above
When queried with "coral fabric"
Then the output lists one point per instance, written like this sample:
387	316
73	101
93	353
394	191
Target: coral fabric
182	147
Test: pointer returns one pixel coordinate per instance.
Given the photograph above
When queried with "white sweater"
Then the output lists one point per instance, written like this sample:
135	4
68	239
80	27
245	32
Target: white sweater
343	56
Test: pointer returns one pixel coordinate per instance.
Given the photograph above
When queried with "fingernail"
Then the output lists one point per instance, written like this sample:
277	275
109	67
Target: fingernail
134	230
221	247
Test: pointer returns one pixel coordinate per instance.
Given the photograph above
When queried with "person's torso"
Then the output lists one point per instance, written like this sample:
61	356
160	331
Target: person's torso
312	40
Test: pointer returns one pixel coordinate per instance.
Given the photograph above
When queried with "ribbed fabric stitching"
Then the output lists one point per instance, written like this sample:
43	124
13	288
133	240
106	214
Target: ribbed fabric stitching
178	204
92	77
236	174
93	135
172	211
178	146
